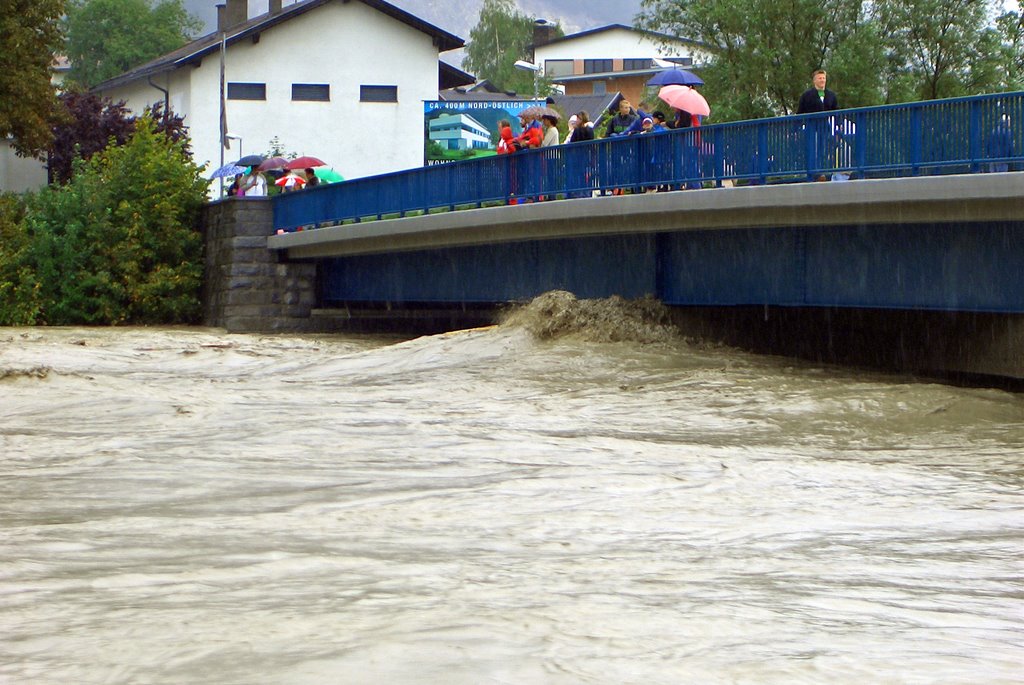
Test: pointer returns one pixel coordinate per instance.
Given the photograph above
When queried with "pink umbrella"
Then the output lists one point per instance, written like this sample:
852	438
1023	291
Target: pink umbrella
273	163
685	98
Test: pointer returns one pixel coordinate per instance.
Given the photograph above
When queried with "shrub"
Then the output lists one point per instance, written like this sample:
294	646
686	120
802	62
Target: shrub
119	243
19	292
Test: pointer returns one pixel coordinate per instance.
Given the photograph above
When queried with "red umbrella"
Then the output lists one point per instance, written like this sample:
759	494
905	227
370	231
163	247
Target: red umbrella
304	162
289	181
685	98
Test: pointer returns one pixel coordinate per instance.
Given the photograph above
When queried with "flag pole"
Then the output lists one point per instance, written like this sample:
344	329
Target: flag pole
223	111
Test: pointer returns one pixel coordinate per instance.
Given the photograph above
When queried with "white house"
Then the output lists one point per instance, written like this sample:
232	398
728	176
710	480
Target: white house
612	58
342	80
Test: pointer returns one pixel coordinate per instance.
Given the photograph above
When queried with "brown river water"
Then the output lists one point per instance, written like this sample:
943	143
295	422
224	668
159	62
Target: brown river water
560	499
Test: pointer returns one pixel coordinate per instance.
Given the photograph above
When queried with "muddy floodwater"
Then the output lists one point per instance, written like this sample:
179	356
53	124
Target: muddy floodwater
497	506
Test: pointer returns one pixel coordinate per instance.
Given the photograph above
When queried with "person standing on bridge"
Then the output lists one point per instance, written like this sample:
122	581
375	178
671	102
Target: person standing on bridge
815	99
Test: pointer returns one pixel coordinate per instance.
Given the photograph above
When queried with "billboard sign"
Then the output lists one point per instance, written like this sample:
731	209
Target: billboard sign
463	130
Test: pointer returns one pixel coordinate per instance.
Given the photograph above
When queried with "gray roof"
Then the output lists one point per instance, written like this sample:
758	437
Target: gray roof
193	53
593	105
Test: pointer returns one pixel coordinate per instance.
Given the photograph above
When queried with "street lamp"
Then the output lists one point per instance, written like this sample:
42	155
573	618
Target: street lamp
529	66
232	136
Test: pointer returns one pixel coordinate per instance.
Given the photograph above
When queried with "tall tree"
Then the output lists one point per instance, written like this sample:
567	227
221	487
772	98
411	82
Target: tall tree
109	37
764	51
940	48
502	36
30	33
1010	27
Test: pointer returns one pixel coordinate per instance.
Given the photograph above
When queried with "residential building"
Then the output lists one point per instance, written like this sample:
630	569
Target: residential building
342	80
611	58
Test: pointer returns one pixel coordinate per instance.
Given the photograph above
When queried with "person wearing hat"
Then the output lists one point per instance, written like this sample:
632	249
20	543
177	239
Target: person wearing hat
550	130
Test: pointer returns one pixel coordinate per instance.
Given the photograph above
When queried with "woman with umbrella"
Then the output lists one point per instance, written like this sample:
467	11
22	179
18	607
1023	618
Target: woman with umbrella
253	184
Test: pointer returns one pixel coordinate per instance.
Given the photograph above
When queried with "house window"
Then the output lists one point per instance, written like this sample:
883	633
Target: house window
378	93
247	91
315	92
553	68
596	66
635	64
681	61
600	87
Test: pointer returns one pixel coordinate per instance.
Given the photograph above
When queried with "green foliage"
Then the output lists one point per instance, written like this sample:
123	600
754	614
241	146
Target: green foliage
31	36
943	44
19	297
764	51
503	35
880	51
117	244
1010	27
108	37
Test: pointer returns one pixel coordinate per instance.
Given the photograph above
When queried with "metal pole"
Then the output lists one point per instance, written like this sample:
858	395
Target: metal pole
223	111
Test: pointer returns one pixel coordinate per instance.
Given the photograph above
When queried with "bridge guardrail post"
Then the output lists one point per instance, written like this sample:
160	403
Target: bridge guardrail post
974	150
915	141
762	155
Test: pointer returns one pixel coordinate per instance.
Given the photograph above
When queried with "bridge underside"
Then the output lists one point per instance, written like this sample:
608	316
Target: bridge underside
917	274
948	267
925	298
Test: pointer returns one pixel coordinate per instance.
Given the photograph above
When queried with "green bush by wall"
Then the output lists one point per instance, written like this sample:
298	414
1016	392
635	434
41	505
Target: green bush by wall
118	244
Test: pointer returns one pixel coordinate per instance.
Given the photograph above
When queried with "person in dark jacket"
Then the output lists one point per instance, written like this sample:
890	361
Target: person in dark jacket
618	124
818	98
584	129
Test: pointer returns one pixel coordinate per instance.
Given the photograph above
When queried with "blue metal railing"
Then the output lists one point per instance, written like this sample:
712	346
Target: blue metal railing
963	135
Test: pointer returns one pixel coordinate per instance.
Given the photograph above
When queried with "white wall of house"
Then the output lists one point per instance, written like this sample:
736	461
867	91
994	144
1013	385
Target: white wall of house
345	45
18	174
617	43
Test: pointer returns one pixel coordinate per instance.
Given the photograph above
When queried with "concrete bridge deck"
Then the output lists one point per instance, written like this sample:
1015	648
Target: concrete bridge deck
932	199
922	274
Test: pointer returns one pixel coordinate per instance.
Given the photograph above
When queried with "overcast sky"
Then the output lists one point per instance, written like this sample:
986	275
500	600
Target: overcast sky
459	17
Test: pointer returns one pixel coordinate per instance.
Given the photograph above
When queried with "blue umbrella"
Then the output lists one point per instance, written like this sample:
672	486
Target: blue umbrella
676	77
228	170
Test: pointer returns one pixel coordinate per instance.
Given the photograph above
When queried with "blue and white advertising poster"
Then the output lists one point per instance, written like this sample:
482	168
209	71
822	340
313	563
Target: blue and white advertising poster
463	130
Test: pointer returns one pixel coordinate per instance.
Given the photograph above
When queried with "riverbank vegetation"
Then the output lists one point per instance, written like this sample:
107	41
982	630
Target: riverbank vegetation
116	244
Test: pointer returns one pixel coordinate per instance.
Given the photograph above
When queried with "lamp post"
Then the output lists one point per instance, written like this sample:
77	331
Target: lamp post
232	136
529	66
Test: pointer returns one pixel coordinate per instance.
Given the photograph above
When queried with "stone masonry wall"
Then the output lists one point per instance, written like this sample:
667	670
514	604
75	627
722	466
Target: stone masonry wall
246	287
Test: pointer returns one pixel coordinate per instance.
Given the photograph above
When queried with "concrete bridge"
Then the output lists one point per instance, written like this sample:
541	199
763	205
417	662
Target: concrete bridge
918	274
916	265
